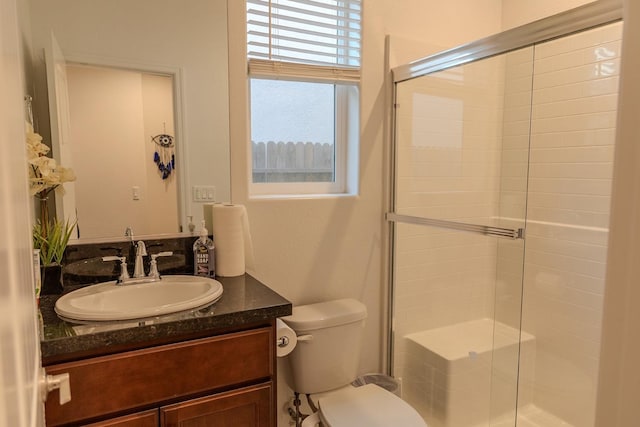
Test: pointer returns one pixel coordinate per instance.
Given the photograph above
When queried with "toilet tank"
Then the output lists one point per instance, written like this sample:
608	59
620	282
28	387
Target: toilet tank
329	344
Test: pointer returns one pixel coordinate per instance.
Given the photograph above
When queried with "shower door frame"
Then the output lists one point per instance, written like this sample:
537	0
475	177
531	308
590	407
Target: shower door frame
575	20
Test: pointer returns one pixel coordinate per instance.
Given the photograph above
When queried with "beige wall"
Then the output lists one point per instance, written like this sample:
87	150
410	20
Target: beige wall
161	198
519	12
312	250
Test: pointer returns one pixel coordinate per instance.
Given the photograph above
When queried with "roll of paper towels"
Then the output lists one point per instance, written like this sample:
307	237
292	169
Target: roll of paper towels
231	236
286	339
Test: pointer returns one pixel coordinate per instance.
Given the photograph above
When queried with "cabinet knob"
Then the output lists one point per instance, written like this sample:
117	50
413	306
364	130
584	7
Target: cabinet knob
59	382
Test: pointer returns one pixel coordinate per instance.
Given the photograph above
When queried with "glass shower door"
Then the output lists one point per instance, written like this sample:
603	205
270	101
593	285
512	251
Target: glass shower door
461	163
488	331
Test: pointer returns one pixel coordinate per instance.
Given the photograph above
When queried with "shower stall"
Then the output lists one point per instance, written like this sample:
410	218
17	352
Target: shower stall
502	165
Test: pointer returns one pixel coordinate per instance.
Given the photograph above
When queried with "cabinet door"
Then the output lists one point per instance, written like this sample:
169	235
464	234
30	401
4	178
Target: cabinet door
246	407
140	419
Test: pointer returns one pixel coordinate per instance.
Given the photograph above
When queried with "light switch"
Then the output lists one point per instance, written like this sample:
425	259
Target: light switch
135	192
203	193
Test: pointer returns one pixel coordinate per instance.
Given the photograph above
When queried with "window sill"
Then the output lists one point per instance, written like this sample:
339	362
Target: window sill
261	197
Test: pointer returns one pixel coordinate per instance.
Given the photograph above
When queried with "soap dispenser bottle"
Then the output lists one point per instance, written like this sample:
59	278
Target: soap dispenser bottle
204	254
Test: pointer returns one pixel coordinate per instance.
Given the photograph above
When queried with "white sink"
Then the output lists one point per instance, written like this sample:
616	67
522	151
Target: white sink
108	301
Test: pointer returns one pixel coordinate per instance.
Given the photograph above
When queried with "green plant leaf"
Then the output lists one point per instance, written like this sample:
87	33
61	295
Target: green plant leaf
52	239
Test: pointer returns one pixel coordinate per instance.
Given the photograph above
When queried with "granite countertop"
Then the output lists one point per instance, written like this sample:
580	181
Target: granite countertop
245	302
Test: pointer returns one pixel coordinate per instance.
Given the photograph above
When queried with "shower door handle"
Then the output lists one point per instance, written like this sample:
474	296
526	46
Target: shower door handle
486	230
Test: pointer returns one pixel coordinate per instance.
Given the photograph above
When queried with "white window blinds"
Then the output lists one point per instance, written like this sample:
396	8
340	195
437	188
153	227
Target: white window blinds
321	36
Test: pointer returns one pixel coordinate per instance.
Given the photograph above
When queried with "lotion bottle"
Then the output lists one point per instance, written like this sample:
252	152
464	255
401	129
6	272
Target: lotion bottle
204	255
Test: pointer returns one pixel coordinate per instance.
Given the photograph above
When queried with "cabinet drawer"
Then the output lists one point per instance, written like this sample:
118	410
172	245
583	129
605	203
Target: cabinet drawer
140	419
111	384
247	407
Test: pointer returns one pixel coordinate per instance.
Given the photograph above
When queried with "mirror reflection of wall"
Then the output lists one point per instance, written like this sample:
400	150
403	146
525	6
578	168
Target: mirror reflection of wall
113	115
186	39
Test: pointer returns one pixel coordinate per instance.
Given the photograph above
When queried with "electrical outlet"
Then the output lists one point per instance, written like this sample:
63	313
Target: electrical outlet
203	193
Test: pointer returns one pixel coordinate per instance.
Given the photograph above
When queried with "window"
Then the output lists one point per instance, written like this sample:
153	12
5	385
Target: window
304	70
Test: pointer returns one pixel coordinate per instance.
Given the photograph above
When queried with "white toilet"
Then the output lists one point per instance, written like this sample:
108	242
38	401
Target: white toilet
325	362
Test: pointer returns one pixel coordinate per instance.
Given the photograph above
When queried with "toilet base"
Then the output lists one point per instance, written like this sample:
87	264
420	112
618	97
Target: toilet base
312	420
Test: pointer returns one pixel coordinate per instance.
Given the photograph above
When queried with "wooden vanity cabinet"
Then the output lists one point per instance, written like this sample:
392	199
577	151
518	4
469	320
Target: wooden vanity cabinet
222	380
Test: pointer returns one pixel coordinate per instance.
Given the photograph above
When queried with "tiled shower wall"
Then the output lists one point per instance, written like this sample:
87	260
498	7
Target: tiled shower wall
572	143
474	169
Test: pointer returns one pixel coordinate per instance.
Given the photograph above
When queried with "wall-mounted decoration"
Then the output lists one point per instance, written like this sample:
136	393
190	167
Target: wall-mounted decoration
164	155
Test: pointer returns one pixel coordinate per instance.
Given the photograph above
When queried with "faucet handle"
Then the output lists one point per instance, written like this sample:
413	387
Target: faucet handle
166	253
153	267
124	274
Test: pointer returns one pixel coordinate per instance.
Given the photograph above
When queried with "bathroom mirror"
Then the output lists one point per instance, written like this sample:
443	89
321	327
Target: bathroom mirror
122	140
186	41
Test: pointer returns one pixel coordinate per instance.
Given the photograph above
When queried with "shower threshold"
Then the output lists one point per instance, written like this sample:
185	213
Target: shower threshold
530	416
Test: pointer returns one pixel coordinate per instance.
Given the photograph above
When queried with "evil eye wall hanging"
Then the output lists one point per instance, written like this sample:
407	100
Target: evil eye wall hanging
164	155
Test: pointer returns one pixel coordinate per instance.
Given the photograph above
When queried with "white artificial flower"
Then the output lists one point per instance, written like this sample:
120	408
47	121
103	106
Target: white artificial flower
44	174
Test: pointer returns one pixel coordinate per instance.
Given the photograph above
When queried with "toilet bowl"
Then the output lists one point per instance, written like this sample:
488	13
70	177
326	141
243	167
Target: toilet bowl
325	362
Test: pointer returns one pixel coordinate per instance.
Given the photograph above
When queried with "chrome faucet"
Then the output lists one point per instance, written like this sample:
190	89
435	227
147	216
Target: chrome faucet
141	251
128	232
138	271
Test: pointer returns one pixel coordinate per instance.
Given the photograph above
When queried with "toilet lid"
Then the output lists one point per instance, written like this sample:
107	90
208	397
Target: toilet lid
370	406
